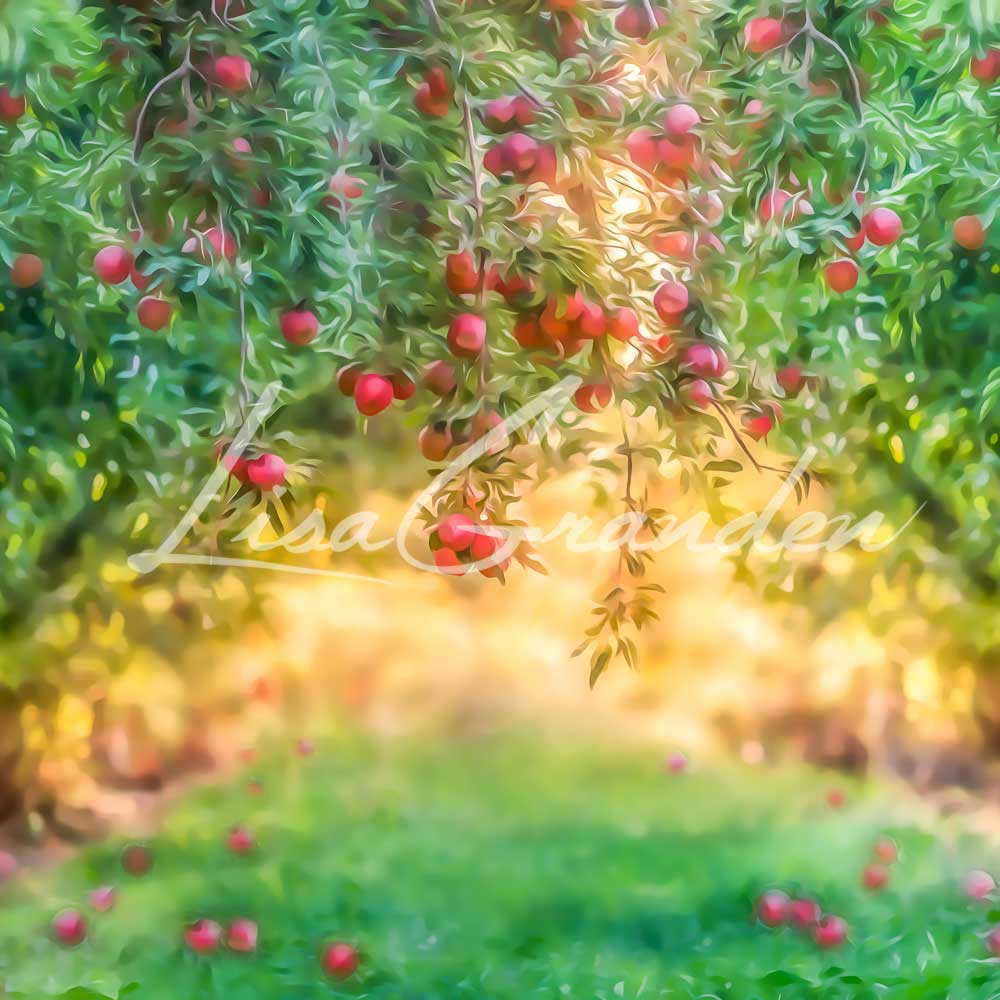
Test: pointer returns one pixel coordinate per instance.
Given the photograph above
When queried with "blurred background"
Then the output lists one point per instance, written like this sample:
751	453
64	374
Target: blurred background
158	678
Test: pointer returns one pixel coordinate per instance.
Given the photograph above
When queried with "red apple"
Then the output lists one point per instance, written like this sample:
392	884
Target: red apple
969	232
236	465
757	425
266	471
299	327
986	68
679	154
875	877
69	928
103	899
154	313
699	393
886	850
763	34
112	265
520	152
26	270
467	335
448	562
241	936
680	119
507	113
460	273
528	333
11	107
835	798
457	532
439	377
756	110
347	379
553	325
830	932
641	147
343	190
513	287
433	96
403	387
623	325
674	244
591	398
978	885
670	301
372	394
993	940
137	859
203	937
803	913
772	908
882	226
240	147
139	279
706	361
790	379
435	441
240	840
841	275
8	865
633	21
220	245
339	960
232	73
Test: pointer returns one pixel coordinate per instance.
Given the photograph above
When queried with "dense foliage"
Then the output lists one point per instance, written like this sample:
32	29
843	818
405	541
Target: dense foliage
742	219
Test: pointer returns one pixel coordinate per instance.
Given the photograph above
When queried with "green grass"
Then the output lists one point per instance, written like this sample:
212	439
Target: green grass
509	870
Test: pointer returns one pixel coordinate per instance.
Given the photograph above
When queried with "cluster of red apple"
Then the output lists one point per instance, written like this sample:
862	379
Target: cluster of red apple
775	908
205	937
69	927
437	439
565	324
266	470
707	363
675	150
458	542
371	392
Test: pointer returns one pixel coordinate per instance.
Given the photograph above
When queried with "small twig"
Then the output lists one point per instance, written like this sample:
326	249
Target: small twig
813	32
739	440
736	434
529	93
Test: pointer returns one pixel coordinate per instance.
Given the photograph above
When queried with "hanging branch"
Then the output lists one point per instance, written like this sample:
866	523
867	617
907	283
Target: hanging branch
472	150
181	71
244	388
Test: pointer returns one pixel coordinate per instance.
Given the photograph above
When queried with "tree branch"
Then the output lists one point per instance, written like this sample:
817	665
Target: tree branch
182	71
